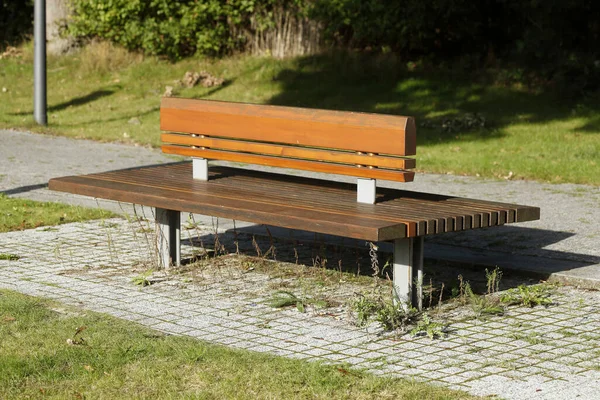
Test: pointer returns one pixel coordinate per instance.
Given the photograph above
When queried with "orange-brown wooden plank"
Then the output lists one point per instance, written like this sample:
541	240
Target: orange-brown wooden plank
342	157
375	133
374	173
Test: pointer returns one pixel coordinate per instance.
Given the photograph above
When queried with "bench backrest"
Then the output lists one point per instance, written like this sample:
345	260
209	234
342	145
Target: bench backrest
358	144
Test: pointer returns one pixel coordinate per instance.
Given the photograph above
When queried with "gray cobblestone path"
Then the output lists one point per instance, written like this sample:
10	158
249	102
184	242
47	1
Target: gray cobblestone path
529	353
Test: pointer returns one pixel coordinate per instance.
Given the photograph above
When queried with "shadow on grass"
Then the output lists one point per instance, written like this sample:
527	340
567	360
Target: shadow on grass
382	84
75	102
124	118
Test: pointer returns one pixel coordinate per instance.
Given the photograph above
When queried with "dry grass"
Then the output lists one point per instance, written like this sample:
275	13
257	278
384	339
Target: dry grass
100	57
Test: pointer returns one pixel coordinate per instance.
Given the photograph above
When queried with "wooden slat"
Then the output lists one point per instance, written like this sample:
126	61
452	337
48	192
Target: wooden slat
298	126
290	151
275	194
375	173
281	215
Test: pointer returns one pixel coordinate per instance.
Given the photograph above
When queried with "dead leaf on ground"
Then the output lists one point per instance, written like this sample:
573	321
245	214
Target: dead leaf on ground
191	79
8	318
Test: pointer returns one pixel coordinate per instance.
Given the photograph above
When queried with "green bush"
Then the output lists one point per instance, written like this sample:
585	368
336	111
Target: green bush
173	28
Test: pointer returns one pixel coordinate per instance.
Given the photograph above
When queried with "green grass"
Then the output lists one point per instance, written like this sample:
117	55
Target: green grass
52	351
528	131
18	214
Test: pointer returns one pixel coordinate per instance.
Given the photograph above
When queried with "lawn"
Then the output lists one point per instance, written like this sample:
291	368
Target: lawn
474	123
18	214
53	351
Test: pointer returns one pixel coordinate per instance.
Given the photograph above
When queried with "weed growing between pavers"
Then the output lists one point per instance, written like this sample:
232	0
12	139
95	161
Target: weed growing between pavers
536	295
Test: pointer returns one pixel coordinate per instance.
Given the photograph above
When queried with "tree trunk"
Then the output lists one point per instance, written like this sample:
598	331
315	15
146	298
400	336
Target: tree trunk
57	12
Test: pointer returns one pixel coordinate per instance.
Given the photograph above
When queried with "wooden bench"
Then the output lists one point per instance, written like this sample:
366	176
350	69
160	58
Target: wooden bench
366	146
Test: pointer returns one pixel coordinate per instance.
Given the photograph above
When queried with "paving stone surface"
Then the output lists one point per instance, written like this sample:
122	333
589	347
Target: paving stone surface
529	353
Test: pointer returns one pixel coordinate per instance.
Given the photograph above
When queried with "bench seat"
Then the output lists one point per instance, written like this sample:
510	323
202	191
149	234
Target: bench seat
294	202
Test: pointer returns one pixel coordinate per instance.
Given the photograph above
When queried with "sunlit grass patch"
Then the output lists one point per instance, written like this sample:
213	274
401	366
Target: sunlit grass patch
55	351
19	214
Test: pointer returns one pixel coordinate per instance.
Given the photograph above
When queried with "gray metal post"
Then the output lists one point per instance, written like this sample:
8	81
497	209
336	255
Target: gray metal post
39	63
408	271
168	240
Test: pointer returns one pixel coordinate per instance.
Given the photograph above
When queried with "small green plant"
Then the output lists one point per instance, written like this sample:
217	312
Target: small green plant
9	257
284	298
530	296
143	279
364	307
395	316
531	338
493	280
428	327
392	315
484	304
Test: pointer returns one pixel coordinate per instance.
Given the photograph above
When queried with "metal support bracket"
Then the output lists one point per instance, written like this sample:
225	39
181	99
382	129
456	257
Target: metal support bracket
408	271
168	238
200	168
365	190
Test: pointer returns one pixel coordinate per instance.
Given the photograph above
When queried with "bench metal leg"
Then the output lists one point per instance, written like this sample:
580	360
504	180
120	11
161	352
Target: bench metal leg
408	271
168	239
365	190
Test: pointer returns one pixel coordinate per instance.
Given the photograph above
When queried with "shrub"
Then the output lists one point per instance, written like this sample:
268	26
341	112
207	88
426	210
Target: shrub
173	28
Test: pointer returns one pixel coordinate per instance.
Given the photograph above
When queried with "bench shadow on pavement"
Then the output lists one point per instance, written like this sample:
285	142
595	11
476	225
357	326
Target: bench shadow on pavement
349	255
23	189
